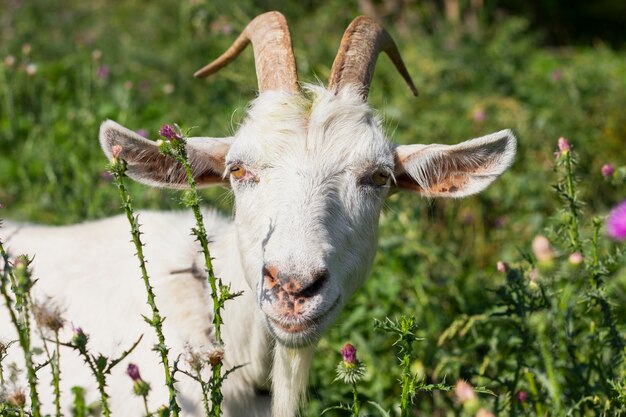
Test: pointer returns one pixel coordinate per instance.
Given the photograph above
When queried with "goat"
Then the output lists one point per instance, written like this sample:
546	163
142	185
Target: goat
309	168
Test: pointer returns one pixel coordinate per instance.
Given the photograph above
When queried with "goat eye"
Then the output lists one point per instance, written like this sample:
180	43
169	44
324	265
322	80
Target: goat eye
238	172
380	177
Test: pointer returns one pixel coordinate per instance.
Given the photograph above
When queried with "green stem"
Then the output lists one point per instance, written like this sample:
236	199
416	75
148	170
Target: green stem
205	398
355	401
571	191
145	406
56	375
156	321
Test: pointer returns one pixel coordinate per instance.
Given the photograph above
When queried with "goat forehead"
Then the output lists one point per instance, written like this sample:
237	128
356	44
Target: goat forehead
322	130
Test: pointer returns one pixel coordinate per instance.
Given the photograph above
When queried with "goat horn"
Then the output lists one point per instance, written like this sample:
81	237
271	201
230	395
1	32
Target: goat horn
273	54
354	65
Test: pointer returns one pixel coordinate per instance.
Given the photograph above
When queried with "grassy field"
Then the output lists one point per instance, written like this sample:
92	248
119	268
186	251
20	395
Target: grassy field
553	331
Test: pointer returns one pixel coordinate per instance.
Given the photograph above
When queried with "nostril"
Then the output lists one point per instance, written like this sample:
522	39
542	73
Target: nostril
270	273
317	283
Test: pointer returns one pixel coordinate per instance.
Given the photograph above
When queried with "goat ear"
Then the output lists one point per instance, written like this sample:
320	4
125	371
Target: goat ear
457	170
147	165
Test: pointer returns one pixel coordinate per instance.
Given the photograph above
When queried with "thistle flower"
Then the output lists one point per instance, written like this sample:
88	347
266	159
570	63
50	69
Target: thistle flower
140	387
616	223
479	116
133	372
350	369
564	146
575	259
169	132
116	151
464	392
484	413
522	396
17	397
142	132
607	170
348	353
9	61
542	249
48	315
103	72
96	54
198	358
31	69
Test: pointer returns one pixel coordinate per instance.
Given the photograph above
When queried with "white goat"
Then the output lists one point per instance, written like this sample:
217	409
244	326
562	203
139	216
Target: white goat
309	169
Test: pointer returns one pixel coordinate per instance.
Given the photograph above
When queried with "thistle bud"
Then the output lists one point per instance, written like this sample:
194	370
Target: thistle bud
543	250
140	387
168	132
564	146
608	170
350	369
79	338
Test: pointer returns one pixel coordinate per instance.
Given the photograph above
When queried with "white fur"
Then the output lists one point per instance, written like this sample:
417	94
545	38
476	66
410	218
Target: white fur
308	203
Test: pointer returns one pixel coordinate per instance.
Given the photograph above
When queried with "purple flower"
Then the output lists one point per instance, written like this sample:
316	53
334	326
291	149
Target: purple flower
607	170
133	372
557	75
168	132
616	224
103	72
522	396
348	352
142	132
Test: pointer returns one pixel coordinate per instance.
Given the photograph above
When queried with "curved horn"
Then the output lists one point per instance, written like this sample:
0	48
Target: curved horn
362	41
273	55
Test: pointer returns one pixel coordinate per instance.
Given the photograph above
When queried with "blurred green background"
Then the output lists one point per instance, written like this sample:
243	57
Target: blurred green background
542	68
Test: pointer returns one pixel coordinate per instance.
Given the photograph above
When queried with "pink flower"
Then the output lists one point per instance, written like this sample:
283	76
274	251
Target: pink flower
142	132
542	249
479	116
133	372
522	396
563	144
502	267
616	224
116	151
348	352
575	258
607	170
464	391
557	74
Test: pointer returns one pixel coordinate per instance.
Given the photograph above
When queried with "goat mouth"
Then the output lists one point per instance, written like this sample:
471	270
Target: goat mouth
300	326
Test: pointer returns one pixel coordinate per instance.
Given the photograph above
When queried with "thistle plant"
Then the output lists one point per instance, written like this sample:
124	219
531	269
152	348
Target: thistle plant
174	146
118	168
18	276
100	365
350	371
48	317
140	387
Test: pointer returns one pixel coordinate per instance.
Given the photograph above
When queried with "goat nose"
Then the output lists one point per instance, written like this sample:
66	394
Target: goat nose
295	285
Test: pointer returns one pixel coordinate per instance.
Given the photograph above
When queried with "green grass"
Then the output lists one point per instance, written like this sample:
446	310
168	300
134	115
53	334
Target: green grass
436	258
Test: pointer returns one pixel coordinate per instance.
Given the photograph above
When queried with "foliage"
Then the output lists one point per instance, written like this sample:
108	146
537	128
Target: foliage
543	337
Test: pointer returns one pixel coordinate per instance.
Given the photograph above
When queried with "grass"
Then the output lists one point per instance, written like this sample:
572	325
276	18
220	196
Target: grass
437	259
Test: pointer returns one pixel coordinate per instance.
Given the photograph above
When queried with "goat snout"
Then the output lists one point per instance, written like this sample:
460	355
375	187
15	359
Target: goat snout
290	290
